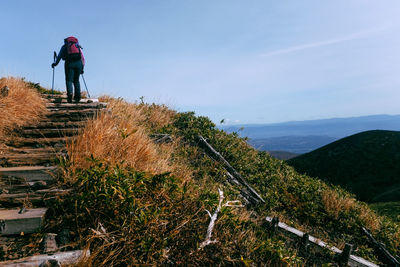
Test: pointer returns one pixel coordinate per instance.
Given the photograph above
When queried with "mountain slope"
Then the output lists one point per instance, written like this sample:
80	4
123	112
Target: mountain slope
138	200
367	163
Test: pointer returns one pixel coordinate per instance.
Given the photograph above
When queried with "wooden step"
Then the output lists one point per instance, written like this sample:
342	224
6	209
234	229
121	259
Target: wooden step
38	142
28	173
33	201
68	115
75	106
72	112
15	160
23	187
14	223
49	132
48	192
49	96
67	258
30	150
62	96
48	124
32	155
36	198
64	100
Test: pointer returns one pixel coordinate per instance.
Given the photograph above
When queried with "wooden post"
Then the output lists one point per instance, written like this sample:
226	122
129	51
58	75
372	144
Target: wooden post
217	156
49	243
304	245
345	256
383	254
352	260
274	225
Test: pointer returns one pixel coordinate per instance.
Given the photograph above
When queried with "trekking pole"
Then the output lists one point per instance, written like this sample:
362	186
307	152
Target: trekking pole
52	84
85	86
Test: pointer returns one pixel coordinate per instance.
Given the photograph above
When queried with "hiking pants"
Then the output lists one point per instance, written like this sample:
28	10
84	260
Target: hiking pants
72	71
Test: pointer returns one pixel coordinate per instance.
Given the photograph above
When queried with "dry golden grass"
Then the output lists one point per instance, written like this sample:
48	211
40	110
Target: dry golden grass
22	105
123	138
151	116
336	204
369	218
118	142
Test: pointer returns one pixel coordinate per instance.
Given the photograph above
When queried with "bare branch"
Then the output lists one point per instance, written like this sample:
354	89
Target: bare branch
210	228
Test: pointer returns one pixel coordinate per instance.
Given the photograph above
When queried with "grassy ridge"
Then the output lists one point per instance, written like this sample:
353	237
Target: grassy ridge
388	209
146	202
366	163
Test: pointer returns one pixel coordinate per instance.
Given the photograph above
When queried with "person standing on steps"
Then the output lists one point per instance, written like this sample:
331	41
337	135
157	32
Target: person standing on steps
71	53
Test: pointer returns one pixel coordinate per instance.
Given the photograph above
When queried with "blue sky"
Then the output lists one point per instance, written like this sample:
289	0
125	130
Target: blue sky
242	61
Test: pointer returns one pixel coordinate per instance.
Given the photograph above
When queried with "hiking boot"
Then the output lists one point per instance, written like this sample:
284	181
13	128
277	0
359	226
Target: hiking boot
69	98
77	96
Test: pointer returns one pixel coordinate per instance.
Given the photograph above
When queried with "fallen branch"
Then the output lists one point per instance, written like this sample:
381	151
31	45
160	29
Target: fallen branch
161	138
382	252
213	217
101	232
254	196
234	203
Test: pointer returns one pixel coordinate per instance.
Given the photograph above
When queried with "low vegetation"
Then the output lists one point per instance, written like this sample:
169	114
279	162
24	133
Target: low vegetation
388	209
138	202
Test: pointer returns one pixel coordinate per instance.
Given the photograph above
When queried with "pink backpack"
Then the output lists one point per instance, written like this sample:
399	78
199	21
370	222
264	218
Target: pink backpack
73	48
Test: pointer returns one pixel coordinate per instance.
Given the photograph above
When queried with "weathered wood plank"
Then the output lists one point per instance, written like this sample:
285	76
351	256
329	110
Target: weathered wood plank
50	96
352	261
383	253
48	124
74	106
39	192
13	223
29	173
37	201
29	159
217	156
38	142
34	150
49	132
63	258
13	188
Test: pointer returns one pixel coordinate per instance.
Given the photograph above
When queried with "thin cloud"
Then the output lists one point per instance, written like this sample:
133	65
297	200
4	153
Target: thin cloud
351	37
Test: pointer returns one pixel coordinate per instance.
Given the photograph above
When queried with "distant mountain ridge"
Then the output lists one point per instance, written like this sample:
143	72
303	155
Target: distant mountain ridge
292	144
367	163
335	127
305	136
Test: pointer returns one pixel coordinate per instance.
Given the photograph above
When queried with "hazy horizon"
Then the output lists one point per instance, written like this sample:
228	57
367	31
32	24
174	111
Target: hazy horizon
294	121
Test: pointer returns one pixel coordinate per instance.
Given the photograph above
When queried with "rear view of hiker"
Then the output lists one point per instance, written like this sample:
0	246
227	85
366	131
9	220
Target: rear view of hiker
71	53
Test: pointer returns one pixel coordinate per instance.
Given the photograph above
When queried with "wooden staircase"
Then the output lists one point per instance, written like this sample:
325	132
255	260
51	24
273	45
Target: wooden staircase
28	169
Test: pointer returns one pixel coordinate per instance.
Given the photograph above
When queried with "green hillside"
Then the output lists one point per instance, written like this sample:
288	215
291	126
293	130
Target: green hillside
142	190
161	219
367	164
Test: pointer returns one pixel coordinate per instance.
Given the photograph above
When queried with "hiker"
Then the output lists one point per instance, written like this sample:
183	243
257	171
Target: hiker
71	53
